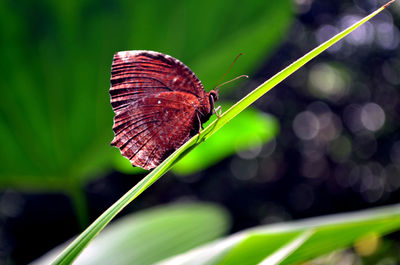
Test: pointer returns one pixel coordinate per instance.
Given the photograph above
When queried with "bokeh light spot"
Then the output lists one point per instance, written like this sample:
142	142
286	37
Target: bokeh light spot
306	125
362	35
326	32
387	36
367	245
372	116
326	81
253	150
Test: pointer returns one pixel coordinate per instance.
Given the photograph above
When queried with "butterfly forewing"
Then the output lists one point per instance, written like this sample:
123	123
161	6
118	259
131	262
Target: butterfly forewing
136	74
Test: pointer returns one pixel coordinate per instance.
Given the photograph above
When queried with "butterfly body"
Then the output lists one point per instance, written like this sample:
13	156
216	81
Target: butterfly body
159	104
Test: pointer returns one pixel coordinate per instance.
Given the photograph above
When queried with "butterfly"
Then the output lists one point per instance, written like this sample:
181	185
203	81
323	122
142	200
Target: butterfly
159	104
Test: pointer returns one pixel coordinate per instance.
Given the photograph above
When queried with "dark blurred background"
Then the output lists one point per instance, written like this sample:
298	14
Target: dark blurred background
337	148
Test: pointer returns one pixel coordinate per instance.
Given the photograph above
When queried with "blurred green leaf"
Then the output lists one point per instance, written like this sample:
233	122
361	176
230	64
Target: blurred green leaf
293	242
123	165
250	129
55	116
152	235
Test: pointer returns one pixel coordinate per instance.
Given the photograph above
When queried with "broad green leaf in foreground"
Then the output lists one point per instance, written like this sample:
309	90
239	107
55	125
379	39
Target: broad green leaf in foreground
250	129
73	250
293	242
152	235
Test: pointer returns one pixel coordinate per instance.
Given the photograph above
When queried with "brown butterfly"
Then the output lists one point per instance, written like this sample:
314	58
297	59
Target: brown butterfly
159	104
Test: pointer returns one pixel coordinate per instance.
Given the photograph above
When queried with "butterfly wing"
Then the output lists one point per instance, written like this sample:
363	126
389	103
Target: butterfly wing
136	74
156	99
153	127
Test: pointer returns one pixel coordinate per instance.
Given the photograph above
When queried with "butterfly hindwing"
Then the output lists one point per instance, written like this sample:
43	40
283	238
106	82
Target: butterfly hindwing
138	132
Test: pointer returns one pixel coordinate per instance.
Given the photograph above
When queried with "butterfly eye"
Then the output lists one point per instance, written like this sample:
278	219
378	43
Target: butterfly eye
214	94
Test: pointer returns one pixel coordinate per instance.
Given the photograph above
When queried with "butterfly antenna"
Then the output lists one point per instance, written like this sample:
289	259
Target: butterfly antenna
237	57
224	83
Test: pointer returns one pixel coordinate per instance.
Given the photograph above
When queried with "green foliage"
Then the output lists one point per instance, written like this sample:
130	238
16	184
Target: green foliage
152	235
160	233
55	115
296	242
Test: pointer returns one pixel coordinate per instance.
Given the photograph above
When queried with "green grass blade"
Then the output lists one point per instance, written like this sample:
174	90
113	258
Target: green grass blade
73	250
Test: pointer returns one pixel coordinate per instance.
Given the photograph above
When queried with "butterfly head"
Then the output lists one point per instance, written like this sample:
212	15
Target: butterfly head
213	96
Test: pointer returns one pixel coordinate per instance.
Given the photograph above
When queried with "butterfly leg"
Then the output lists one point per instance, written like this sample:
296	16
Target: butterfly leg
217	112
200	125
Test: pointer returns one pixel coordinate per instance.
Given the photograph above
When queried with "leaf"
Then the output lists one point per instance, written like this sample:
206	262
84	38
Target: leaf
152	235
278	256
73	250
294	242
55	114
